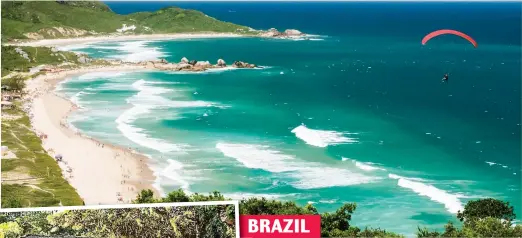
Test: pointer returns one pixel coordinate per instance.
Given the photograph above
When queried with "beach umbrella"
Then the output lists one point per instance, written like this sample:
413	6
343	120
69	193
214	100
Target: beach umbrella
445	31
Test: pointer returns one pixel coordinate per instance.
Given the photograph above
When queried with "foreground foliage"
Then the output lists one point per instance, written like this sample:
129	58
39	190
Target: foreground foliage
334	224
483	216
190	222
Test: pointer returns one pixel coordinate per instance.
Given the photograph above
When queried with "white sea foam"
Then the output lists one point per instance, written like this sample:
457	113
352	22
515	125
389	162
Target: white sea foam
73	48
217	70
98	75
270	196
144	102
365	166
394	176
112	87
147	99
322	138
259	157
304	175
328	201
174	172
75	99
316	176
134	51
450	201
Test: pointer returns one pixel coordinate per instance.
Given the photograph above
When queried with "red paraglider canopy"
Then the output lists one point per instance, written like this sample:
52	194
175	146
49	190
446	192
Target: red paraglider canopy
442	32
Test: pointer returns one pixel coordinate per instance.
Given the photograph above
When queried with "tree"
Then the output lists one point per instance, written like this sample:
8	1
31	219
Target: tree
145	196
176	196
488	207
336	224
481	218
490	227
338	220
16	82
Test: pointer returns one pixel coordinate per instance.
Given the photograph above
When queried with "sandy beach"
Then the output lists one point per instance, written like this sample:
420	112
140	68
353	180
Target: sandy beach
93	39
101	173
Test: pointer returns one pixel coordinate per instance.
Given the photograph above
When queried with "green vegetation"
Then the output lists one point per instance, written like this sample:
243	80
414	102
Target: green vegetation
59	19
482	218
186	222
486	223
13	61
173	19
487	208
33	178
15	83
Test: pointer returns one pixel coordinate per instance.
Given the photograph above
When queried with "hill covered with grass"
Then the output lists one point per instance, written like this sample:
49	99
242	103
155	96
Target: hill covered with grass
21	59
64	19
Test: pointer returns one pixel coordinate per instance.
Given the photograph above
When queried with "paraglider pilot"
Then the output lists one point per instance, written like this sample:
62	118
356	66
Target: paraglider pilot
445	79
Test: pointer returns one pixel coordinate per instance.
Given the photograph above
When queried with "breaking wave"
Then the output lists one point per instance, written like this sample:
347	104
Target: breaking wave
450	201
304	175
322	138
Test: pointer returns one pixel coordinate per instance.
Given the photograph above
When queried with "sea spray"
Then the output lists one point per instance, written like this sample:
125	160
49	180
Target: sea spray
322	138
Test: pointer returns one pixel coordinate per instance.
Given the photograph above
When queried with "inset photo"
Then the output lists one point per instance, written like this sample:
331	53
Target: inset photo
187	220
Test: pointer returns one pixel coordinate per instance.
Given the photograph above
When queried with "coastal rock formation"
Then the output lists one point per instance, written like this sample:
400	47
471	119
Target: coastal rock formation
22	53
274	33
203	64
221	63
182	66
293	32
192	65
241	64
84	59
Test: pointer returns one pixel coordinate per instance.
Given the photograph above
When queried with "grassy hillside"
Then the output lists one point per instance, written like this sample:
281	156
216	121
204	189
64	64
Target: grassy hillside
173	19
14	61
33	178
59	19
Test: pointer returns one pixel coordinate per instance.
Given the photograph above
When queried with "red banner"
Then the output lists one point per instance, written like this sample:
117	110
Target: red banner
285	226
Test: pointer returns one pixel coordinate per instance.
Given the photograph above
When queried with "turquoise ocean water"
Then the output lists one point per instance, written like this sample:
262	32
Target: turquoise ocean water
350	115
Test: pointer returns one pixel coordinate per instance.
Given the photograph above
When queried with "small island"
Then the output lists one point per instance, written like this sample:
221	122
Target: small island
287	34
194	65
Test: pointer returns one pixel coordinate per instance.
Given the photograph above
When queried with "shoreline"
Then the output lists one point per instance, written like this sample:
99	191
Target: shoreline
100	173
106	38
167	36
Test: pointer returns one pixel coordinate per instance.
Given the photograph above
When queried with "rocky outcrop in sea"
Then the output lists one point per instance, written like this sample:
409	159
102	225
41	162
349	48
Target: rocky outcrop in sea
193	65
287	34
